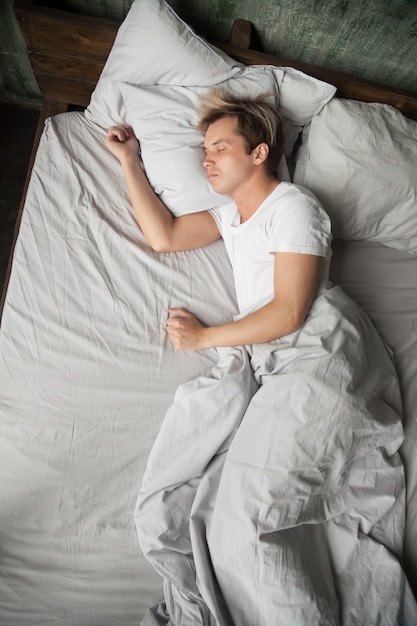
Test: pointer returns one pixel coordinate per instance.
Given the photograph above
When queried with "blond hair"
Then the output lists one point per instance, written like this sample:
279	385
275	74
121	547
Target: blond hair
257	121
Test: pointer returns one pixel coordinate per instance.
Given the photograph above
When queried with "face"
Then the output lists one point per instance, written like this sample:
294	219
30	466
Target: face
228	165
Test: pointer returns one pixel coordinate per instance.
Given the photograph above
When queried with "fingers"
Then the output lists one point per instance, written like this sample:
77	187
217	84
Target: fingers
178	321
175	331
181	336
184	330
175	325
121	132
178	313
121	141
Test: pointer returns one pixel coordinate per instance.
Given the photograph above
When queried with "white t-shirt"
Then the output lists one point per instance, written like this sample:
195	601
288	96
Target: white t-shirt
290	219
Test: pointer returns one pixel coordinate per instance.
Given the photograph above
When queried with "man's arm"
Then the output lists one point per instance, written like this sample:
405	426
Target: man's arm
163	231
296	278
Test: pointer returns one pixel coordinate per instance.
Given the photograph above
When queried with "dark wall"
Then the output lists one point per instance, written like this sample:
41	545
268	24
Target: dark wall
374	39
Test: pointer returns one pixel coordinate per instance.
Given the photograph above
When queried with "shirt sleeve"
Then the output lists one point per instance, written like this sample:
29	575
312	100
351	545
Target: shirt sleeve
299	225
216	215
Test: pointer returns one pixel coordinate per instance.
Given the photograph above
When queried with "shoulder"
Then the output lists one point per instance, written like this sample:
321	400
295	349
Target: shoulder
294	203
297	221
298	196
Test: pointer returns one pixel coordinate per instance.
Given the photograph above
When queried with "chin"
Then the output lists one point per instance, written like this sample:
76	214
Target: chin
217	187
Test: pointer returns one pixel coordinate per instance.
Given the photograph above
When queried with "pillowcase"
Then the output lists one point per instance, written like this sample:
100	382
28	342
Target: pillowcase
164	118
154	46
360	160
301	98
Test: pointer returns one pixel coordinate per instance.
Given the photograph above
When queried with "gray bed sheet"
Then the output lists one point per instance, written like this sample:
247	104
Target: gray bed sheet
87	374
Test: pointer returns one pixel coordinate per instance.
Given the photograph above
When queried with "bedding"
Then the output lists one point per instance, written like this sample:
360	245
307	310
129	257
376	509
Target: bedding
159	99
89	381
168	52
383	282
89	373
249	491
360	160
165	118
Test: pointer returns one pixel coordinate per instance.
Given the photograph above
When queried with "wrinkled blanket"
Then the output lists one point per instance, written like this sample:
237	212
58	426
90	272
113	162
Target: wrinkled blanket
274	493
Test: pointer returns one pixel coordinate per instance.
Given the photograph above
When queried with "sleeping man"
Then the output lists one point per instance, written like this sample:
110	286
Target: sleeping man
276	234
274	493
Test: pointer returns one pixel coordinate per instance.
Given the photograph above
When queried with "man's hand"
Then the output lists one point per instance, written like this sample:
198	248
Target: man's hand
121	142
184	330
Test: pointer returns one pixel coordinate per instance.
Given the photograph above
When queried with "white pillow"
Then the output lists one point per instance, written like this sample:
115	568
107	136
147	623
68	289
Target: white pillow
361	162
301	98
154	46
164	118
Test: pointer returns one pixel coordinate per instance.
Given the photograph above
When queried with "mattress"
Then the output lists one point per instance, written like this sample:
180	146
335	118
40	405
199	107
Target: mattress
87	375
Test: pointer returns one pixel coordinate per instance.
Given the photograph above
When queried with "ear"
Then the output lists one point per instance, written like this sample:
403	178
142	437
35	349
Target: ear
260	153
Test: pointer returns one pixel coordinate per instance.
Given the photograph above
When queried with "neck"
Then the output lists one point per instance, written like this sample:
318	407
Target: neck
250	199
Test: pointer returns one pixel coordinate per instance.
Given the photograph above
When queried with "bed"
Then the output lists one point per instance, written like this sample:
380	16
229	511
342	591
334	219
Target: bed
87	373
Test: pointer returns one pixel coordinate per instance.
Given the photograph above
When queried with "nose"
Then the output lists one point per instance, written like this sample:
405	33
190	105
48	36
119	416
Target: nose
207	161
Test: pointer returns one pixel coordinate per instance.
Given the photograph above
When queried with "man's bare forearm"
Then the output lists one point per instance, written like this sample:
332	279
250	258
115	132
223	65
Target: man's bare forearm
164	232
266	324
154	219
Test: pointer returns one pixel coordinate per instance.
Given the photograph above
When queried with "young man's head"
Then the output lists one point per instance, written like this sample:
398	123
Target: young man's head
257	122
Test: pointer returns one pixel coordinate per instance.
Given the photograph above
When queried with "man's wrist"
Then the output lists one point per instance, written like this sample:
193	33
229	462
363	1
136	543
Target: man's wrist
130	159
206	337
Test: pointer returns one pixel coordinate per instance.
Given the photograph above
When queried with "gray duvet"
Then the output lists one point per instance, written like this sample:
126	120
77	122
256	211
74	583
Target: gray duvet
274	493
